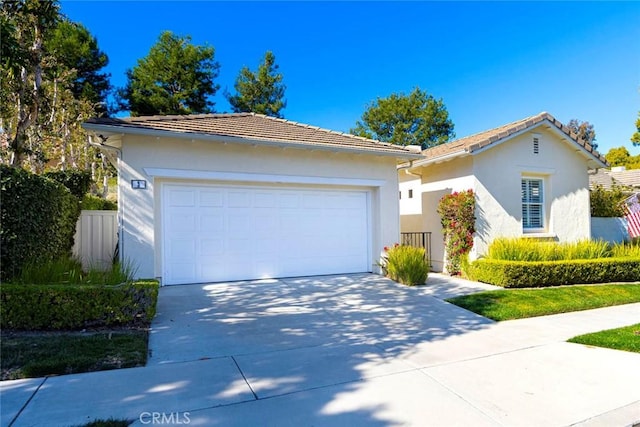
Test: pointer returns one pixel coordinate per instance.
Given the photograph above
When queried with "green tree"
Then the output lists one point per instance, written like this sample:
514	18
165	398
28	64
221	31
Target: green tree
25	24
50	83
75	48
618	156
584	130
635	138
176	77
261	92
414	119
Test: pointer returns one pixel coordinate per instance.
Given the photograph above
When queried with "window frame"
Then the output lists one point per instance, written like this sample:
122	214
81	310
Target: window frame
526	218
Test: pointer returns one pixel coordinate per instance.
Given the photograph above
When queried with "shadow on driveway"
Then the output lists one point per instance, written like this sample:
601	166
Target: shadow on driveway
301	334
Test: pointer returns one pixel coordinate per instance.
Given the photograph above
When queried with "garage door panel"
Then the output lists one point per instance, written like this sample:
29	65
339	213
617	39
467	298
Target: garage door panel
212	246
265	199
212	223
239	199
182	248
181	223
239	221
211	198
288	200
182	197
216	233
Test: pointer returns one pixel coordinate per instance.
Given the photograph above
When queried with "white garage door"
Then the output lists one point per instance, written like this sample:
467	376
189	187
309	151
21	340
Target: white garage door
220	233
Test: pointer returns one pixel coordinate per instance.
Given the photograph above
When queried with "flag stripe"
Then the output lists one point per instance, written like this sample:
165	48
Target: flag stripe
633	216
633	224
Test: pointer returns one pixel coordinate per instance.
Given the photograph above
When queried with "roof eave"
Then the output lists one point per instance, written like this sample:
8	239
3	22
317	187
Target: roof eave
554	128
433	160
108	130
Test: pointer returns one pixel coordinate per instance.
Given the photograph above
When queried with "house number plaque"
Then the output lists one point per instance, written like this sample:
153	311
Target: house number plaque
138	184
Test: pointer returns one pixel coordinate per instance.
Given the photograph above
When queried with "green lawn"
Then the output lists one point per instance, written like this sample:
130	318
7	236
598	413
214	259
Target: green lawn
41	354
627	338
521	303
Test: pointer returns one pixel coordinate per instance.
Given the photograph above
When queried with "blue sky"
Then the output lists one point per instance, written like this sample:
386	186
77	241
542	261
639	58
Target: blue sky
490	62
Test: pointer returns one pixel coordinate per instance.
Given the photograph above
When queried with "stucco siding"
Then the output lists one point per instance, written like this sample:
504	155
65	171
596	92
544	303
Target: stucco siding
141	209
437	180
495	175
499	172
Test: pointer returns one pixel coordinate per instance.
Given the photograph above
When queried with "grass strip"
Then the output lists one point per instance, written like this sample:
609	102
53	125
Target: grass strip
520	303
38	355
626	338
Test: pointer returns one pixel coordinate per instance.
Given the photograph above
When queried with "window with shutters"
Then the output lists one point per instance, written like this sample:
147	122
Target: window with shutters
532	204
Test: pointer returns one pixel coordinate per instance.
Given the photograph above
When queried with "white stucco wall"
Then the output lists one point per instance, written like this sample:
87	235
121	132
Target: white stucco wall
499	172
420	214
141	209
495	175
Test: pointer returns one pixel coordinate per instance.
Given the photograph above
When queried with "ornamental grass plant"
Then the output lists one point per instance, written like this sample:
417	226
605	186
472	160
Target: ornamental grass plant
69	271
631	249
407	265
523	249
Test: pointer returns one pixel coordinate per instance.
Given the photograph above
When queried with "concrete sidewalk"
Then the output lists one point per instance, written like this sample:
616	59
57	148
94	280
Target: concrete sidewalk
348	350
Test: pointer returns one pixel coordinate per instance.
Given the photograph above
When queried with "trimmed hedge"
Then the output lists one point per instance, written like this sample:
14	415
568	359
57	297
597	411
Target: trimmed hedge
523	274
68	307
38	219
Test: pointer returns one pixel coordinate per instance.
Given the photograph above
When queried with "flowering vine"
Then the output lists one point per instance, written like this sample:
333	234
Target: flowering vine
457	217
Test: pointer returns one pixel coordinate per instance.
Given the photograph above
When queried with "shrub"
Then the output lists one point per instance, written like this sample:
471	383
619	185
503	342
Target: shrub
94	203
77	181
407	265
457	217
607	203
518	274
68	307
38	219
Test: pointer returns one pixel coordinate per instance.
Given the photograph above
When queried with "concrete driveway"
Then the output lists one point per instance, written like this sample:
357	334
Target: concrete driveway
356	350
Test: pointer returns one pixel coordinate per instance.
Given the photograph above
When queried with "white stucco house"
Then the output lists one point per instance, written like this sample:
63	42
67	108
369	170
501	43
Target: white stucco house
223	197
530	178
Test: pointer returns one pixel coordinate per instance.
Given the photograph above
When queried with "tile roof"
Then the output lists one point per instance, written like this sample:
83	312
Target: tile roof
480	140
251	126
608	178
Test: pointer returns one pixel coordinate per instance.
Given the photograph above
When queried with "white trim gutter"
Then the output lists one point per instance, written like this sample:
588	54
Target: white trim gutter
439	159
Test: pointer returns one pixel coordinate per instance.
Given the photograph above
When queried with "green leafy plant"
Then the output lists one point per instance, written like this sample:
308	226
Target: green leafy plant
406	264
457	216
94	203
38	219
607	203
77	181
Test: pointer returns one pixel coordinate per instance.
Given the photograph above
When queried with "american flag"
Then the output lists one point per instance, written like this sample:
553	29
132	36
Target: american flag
633	215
